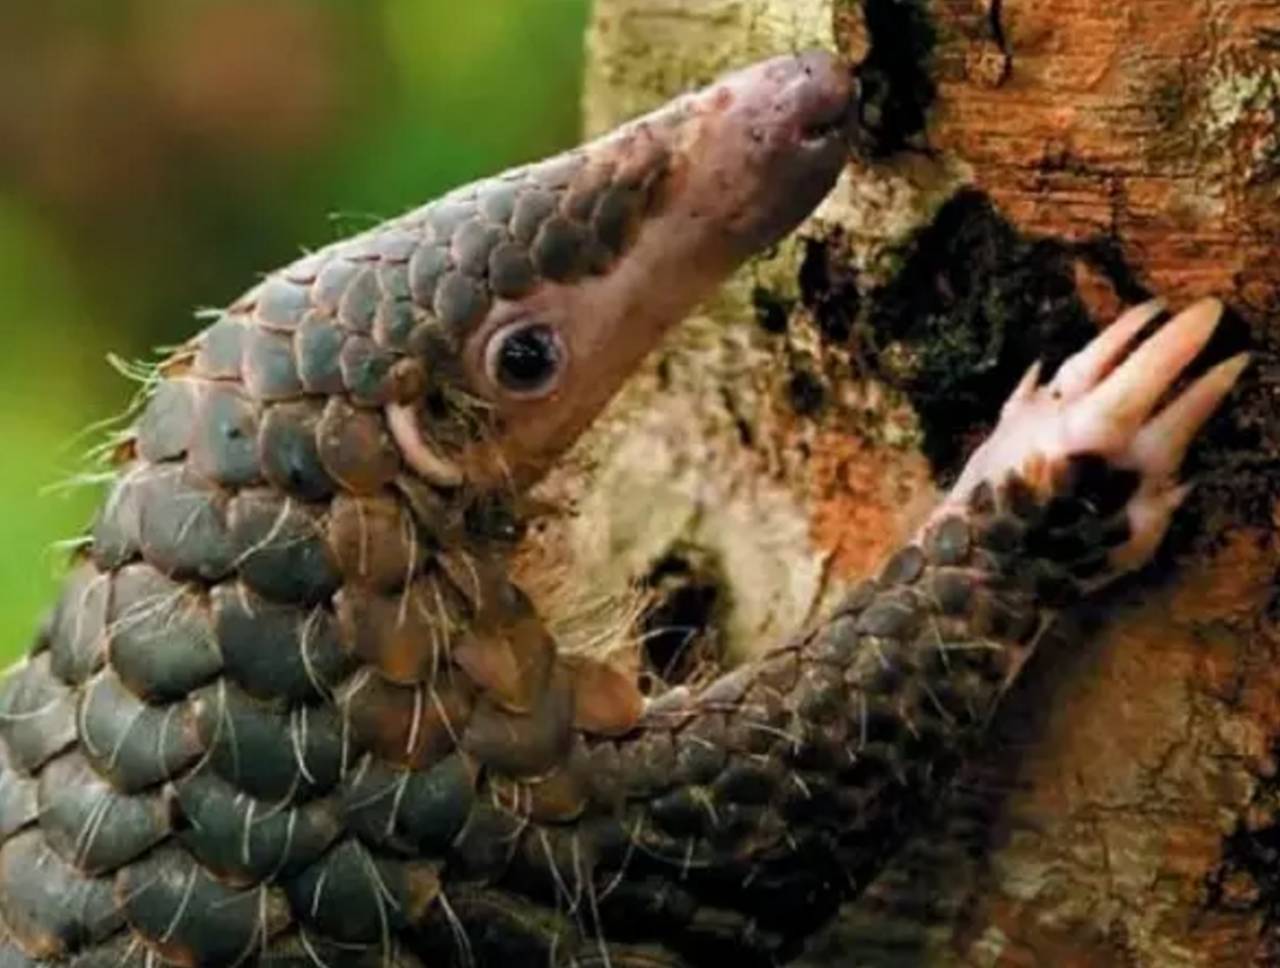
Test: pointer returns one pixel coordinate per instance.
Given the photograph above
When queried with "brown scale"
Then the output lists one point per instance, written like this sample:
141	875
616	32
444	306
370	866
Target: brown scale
376	542
355	448
606	700
512	663
558	797
410	726
528	744
408	635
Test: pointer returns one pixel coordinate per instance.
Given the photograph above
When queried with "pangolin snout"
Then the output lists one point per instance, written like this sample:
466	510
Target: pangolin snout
768	145
823	93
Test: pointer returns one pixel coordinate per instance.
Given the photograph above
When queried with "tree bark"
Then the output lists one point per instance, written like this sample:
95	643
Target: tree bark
1033	168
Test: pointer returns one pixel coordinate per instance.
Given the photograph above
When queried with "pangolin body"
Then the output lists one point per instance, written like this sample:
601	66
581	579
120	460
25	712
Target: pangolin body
290	710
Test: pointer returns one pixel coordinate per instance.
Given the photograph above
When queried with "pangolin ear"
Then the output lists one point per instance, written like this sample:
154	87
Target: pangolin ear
418	449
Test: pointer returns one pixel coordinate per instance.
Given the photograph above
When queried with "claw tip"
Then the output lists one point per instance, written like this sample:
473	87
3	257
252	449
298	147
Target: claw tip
1210	307
1240	362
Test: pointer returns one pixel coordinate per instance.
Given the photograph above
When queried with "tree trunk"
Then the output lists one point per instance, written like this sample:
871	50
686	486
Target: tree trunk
1033	167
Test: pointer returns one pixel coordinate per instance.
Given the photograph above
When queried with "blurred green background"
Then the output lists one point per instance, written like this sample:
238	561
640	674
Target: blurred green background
155	155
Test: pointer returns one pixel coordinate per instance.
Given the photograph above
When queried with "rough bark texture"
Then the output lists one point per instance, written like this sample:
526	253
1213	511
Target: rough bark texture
1035	167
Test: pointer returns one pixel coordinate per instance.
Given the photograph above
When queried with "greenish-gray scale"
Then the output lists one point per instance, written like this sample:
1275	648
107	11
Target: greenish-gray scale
367	371
359	300
397	318
426	267
78	629
174	903
395	243
412	812
224	444
302	949
182	522
132	743
37	714
287	652
290	454
354	897
91	825
247	841
281	303
19	804
270	366
331	283
117	530
483	849
497	200
59	912
121	951
281	551
532	208
393	277
220	349
162	642
472	243
318	347
11	956
459	300
163	432
277	754
445	217
505	928
511	270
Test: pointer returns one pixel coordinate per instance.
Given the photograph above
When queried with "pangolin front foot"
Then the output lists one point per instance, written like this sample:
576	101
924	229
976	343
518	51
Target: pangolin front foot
1097	431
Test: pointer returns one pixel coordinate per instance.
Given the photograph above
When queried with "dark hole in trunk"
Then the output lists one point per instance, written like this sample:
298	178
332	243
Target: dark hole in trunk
682	640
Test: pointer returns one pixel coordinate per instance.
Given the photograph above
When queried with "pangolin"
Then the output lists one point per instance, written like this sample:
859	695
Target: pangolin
291	709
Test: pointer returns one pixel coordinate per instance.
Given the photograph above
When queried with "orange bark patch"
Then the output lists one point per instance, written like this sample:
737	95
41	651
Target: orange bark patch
1234	584
1031	944
863	501
1154	124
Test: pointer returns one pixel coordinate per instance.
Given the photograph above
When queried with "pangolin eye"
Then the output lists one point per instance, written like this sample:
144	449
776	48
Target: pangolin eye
526	359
